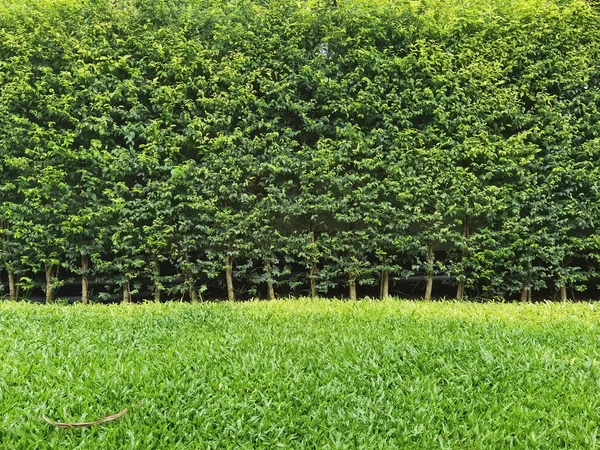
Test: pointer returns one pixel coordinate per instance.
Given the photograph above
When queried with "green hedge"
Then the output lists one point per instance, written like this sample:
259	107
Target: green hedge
171	141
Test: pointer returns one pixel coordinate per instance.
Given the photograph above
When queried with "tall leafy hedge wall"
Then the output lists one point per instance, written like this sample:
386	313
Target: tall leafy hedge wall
300	145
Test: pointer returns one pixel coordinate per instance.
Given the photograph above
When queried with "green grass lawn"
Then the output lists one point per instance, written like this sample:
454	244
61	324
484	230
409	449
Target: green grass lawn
302	374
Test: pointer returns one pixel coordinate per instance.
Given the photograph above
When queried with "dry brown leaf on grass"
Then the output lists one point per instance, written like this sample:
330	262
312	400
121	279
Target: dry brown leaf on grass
65	425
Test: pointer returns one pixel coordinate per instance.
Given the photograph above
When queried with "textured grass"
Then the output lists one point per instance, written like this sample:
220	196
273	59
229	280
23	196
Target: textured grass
302	374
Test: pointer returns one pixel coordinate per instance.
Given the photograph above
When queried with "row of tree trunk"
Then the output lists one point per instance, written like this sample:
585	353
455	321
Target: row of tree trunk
52	273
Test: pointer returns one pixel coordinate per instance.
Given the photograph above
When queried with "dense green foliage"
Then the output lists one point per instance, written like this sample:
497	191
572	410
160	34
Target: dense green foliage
302	374
299	145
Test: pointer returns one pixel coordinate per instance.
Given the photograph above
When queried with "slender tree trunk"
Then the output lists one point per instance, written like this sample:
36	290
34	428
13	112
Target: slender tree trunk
156	284
313	273
13	288
193	293
352	283
563	294
229	278
429	287
84	279
271	289
313	281
156	291
126	292
430	261
460	289
385	284
270	285
49	283
525	293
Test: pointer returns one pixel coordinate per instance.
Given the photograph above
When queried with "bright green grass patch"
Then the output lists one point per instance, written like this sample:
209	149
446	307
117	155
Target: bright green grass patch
302	374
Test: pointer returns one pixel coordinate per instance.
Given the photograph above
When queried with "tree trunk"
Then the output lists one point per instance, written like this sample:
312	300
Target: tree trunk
13	288
156	288
49	283
271	290
384	291
313	281
270	285
429	287
563	294
84	279
156	285
460	289
352	283
313	273
430	261
193	293
126	292
229	278
525	295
